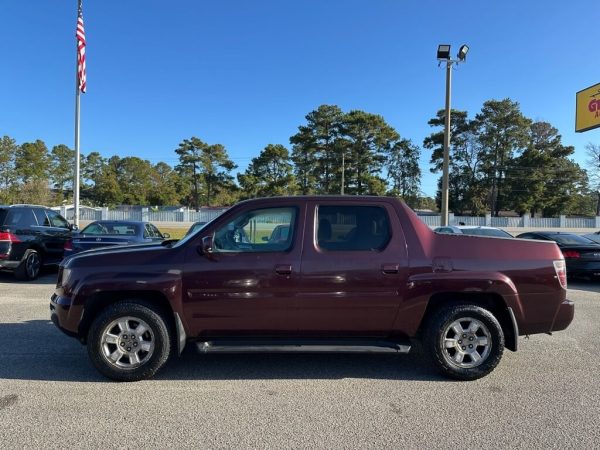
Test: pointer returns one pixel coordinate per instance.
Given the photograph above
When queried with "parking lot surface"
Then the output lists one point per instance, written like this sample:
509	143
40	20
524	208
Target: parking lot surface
547	395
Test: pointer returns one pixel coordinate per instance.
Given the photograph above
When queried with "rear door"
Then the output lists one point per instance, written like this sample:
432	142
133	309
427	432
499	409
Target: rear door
21	222
54	232
354	266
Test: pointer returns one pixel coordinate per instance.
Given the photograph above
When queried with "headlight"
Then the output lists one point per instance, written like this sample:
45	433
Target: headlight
66	274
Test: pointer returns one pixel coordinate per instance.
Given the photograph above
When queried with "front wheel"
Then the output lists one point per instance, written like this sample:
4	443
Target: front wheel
465	342
129	341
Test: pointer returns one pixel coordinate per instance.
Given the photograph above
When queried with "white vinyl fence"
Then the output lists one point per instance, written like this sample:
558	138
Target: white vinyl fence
87	213
433	220
516	222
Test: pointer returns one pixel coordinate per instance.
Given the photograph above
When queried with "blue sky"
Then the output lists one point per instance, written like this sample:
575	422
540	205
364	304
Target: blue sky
245	73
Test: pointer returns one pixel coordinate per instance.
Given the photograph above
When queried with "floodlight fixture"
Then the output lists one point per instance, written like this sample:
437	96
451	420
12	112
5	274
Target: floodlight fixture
443	51
462	52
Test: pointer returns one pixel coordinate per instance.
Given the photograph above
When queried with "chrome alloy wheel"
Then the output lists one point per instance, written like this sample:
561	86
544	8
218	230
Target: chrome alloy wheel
466	343
33	265
127	342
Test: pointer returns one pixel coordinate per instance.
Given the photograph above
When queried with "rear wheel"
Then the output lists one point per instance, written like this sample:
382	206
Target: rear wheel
30	266
465	342
129	341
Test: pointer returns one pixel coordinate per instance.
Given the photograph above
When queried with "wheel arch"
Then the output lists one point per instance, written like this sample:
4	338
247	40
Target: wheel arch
38	248
95	304
490	301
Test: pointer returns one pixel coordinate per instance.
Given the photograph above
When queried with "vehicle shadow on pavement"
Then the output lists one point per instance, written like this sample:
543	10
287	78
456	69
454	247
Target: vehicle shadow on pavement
37	350
276	366
48	276
584	285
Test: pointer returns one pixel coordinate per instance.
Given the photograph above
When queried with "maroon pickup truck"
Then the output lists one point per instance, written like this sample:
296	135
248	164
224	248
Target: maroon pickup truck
313	274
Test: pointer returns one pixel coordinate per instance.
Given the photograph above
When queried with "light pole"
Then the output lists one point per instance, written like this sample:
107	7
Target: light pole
343	170
443	55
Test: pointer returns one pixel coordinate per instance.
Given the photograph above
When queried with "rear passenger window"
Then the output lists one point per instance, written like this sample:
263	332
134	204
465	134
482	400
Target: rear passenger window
149	232
352	228
42	219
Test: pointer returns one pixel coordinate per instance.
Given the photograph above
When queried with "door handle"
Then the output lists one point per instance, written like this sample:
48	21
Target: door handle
283	269
390	268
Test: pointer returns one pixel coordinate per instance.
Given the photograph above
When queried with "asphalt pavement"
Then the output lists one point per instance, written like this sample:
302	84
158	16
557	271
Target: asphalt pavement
545	396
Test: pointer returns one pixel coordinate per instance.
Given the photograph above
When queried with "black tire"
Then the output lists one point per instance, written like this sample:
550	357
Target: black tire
126	368
30	267
450	349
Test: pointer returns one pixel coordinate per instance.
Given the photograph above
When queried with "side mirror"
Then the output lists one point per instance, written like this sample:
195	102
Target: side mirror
73	227
166	235
265	238
207	245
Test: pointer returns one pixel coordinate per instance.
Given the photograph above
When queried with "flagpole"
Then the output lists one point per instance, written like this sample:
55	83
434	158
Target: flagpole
77	152
76	179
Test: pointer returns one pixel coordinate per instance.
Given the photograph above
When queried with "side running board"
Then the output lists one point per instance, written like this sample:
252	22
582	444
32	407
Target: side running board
286	346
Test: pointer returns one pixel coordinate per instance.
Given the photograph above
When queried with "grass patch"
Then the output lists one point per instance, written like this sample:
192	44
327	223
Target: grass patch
175	233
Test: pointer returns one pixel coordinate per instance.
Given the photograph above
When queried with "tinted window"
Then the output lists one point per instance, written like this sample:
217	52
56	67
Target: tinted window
110	228
57	220
157	233
485	232
569	239
151	232
252	231
94	228
20	218
352	228
593	237
42	219
129	229
529	236
148	233
2	215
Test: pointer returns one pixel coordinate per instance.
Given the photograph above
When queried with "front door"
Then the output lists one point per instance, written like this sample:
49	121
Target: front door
247	285
354	267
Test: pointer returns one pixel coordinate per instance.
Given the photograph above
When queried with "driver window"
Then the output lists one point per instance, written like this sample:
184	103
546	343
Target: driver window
57	220
261	230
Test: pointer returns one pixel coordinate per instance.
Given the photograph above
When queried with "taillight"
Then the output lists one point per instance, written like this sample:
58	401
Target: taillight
8	236
561	272
68	245
571	254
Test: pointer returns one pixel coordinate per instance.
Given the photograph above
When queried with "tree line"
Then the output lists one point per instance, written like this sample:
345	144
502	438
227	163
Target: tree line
499	160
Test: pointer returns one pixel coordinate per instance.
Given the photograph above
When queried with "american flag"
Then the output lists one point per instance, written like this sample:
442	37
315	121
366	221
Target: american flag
80	33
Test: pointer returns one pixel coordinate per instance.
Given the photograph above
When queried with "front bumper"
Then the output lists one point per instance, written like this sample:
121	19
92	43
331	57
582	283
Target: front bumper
64	315
564	315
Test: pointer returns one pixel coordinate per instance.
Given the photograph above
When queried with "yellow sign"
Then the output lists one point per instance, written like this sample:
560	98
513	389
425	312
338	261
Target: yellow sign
588	109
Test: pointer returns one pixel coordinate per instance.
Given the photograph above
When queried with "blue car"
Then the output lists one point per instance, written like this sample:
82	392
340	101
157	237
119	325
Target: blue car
107	233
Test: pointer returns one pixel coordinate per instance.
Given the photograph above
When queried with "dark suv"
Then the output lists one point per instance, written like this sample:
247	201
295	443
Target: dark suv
30	237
